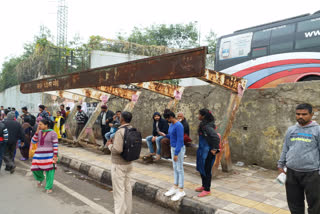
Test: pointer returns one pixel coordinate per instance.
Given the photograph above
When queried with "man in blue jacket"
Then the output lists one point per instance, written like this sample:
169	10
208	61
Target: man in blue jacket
160	125
301	156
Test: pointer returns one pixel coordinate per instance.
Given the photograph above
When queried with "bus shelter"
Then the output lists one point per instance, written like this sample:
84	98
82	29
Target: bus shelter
128	80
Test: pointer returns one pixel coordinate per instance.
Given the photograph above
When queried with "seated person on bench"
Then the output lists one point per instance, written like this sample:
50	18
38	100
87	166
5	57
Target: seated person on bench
159	125
114	126
186	137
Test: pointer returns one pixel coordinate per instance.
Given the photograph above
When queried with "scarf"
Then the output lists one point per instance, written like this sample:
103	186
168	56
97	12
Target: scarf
44	136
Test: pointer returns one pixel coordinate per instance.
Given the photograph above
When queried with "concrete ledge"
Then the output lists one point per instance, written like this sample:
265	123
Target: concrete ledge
84	169
190	206
75	164
140	188
95	173
106	178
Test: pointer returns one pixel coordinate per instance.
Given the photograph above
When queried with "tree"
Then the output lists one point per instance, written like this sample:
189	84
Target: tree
9	74
180	36
211	42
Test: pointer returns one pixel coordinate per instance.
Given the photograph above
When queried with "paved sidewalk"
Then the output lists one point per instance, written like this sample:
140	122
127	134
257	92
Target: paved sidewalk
248	190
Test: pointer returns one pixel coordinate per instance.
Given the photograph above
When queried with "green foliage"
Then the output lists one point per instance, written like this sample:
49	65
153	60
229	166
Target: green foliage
179	36
42	57
8	76
211	42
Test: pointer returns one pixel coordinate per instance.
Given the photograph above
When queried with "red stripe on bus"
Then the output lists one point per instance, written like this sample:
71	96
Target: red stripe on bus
281	74
252	69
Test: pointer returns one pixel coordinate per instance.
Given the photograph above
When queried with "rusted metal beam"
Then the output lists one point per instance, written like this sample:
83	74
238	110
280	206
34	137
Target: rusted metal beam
66	95
119	92
188	63
225	80
162	88
88	92
129	107
224	157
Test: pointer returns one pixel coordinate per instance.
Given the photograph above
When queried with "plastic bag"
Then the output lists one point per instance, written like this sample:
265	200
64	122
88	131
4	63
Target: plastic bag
32	149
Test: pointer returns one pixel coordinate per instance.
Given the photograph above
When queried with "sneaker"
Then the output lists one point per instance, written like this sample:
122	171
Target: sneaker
171	192
199	189
13	169
101	148
178	196
158	157
204	193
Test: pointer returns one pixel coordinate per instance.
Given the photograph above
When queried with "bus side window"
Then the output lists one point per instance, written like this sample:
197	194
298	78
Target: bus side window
259	52
308	34
261	38
282	39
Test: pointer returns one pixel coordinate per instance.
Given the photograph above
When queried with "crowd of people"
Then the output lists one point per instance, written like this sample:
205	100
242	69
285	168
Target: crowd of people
38	137
35	136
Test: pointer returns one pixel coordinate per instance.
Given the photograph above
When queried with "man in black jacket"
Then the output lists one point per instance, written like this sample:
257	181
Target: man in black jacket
16	133
159	125
106	117
3	140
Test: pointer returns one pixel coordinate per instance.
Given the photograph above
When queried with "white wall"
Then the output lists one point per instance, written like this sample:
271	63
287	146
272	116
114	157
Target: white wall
12	97
104	58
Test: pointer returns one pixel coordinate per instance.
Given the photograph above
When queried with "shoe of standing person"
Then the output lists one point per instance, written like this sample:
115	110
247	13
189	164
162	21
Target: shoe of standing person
204	193
13	169
179	195
199	189
171	192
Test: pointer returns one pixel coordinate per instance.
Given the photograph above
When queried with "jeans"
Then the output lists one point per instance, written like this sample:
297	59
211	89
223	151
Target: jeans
2	148
206	179
178	170
301	185
158	143
104	130
110	135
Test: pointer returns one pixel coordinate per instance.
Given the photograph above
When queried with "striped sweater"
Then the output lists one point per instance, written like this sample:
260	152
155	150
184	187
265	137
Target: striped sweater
47	149
3	134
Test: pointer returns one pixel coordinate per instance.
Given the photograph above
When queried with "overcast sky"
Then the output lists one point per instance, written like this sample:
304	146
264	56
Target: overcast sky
21	19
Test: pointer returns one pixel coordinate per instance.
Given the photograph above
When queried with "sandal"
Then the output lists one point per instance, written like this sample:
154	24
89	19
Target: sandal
49	191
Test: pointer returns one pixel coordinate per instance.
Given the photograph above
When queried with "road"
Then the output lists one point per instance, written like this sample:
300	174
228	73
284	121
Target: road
72	194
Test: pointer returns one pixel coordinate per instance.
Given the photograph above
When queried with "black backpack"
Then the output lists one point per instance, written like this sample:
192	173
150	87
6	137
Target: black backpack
132	144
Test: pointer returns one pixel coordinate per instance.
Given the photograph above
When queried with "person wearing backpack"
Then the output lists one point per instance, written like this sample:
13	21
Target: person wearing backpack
32	118
122	155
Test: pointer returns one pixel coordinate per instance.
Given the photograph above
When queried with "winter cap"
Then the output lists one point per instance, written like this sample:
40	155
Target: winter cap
11	116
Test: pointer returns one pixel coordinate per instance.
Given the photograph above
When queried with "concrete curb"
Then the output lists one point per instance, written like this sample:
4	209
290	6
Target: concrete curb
141	189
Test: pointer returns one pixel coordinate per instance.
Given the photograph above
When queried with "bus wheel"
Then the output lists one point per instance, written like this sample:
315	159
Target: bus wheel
309	78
